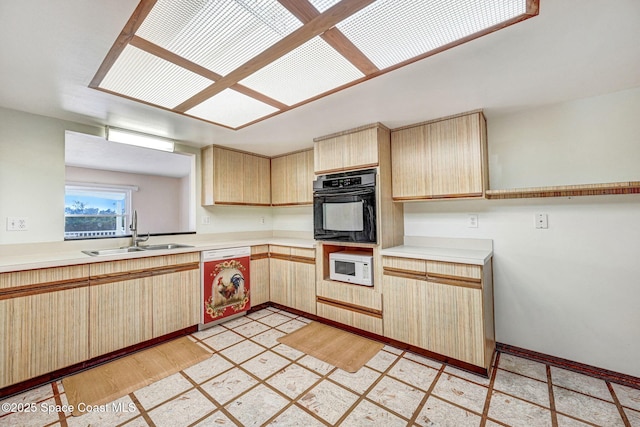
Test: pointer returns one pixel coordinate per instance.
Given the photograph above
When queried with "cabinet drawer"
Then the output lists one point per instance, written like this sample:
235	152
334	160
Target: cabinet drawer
280	250
453	270
147	263
303	252
351	318
405	265
43	276
259	249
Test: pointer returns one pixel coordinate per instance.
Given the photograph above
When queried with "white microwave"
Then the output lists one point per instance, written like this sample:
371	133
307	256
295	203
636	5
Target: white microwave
351	267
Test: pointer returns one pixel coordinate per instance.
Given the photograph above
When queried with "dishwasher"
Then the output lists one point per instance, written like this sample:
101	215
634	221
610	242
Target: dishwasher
225	284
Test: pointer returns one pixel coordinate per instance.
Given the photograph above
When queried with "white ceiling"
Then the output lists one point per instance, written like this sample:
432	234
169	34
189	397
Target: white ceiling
50	50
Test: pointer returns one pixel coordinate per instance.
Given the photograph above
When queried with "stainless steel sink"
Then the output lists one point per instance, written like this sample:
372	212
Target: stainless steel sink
115	251
165	246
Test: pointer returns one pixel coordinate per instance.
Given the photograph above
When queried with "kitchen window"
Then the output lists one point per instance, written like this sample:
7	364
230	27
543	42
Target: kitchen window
94	210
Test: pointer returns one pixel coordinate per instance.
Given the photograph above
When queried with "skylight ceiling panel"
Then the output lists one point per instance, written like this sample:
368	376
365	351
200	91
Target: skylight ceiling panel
307	71
231	108
219	35
389	32
143	76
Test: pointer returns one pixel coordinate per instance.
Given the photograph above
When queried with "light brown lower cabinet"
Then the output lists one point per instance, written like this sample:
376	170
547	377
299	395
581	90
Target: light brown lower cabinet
138	299
445	308
44	318
292	277
259	275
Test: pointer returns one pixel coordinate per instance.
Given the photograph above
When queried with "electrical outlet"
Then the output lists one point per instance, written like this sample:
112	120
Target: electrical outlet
17	223
541	220
472	221
261	220
206	220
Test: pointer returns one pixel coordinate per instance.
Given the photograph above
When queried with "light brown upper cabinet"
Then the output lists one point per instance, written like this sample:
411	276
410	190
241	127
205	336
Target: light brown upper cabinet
231	177
292	179
445	158
352	149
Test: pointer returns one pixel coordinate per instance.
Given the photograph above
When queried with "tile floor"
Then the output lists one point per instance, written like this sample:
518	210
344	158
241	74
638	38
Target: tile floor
252	380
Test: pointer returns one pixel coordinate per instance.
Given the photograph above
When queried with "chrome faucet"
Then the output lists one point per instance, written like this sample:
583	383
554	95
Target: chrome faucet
134	231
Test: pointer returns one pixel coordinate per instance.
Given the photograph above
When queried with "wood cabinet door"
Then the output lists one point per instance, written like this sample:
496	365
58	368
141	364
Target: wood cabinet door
456	157
410	163
228	181
256	180
302	164
176	301
42	333
280	281
121	314
353	150
280	180
259	281
445	319
304	287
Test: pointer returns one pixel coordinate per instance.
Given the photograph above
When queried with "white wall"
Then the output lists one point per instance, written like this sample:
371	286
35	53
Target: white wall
571	290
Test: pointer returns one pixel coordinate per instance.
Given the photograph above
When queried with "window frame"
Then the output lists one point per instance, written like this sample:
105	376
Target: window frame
97	187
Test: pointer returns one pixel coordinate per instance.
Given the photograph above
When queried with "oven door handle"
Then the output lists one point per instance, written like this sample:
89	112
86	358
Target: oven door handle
348	192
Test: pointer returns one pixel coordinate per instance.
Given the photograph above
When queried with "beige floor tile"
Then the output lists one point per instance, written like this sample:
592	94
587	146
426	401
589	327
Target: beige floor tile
413	373
136	422
294	416
250	329
162	390
584	384
256	406
398	397
323	368
223	340
259	314
288	352
117	412
33	416
461	392
209	332
293	380
437	412
229	385
629	397
518	413
469	376
269	338
290	326
274	319
522	366
184	410
36	395
564	421
328	400
522	387
265	364
208	369
586	407
382	360
217	419
423	360
234	323
392	349
303	319
633	417
358	381
366	414
242	351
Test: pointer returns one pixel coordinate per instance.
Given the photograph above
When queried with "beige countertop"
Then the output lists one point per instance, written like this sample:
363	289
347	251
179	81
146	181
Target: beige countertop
56	254
464	251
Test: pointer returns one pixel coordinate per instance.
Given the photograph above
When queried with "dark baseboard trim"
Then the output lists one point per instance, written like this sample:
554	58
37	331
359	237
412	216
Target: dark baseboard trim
581	368
82	366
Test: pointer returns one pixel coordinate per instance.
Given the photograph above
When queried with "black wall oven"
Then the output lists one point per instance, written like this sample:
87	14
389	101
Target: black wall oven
344	207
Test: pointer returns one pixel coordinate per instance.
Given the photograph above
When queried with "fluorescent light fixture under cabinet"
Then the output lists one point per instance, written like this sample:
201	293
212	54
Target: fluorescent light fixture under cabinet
124	136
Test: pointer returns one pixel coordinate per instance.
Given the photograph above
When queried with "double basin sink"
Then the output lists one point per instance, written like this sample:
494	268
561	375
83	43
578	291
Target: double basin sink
117	251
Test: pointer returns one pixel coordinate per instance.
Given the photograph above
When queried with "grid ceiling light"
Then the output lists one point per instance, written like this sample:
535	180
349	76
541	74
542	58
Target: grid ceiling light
236	62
